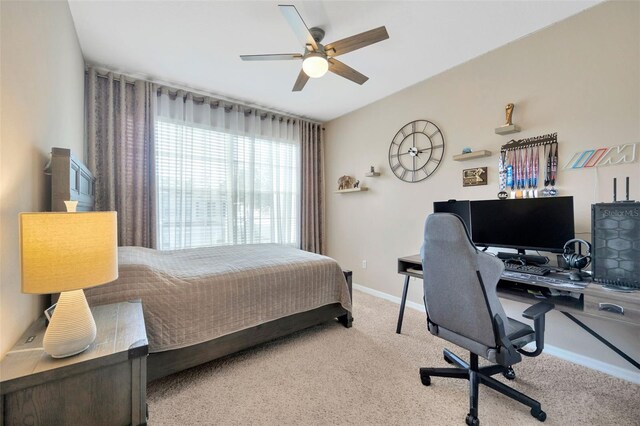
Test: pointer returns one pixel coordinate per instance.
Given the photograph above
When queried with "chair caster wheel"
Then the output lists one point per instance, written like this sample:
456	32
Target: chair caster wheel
425	379
539	414
509	374
472	421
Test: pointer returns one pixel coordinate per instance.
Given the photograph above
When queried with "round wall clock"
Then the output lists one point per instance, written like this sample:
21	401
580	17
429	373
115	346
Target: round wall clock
416	151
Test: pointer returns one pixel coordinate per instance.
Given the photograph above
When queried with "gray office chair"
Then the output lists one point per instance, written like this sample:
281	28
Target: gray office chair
463	308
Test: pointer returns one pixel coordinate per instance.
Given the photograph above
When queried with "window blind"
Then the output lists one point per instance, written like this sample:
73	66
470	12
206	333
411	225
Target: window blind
218	187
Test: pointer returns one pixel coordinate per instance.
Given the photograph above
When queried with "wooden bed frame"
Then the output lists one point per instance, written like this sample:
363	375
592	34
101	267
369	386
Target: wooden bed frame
160	364
71	180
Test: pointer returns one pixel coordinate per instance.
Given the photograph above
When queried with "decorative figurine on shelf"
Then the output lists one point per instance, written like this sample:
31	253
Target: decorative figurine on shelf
508	110
508	127
355	185
372	172
345	182
467	150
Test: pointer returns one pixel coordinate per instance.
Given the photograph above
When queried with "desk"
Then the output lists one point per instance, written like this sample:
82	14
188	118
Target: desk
592	300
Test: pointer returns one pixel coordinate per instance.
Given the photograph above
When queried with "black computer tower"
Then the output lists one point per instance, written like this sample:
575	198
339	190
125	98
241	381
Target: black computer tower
615	238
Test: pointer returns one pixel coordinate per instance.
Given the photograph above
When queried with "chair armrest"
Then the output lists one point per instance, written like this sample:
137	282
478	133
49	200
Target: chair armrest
537	313
534	312
507	354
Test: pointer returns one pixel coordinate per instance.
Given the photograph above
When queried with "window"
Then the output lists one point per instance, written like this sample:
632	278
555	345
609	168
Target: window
219	188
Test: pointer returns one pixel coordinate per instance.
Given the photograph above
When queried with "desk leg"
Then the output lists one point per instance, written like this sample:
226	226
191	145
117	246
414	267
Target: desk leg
402	302
607	343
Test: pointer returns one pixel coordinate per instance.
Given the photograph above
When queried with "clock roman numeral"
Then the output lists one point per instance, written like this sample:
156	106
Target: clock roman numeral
434	133
424	169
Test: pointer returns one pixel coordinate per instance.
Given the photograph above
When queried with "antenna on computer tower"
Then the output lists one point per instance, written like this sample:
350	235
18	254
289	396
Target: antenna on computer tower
627	188
628	200
615	190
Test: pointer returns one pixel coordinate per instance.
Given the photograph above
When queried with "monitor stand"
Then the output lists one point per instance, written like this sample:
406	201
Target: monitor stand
528	259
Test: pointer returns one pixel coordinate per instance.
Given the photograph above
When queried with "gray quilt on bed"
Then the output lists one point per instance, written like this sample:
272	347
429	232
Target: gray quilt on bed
191	296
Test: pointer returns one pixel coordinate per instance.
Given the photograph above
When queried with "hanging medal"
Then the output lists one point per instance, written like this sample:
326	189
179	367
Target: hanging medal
510	177
547	169
516	175
526	176
530	172
502	175
554	169
520	174
534	174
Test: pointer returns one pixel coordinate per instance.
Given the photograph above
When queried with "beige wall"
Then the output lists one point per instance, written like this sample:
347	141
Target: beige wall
42	93
580	78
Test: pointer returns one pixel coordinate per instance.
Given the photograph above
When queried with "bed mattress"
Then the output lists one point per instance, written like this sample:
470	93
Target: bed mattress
195	295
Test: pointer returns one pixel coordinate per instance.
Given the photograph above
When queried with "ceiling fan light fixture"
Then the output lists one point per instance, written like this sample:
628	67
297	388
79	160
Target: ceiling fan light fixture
315	65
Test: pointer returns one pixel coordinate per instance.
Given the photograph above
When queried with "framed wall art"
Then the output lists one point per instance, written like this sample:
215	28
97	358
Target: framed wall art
474	177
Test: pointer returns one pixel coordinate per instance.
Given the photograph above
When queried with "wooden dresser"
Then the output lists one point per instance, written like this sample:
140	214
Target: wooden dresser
104	385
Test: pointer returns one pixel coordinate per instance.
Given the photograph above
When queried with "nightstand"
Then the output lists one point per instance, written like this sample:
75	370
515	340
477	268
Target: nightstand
104	385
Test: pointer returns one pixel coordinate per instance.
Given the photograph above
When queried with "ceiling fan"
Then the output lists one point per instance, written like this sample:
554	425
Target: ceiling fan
317	59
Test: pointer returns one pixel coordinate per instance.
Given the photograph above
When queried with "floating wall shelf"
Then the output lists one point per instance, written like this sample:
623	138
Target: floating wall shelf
343	191
507	130
472	155
372	174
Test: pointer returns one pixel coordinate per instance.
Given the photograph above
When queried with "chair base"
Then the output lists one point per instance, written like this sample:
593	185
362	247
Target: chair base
477	376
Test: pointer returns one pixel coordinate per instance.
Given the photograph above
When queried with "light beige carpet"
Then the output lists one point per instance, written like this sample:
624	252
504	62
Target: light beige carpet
368	375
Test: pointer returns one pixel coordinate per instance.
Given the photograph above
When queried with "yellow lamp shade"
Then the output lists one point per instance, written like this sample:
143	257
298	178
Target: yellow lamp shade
67	251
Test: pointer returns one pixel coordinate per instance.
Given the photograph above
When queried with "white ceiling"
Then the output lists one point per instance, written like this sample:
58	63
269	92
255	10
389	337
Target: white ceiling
196	44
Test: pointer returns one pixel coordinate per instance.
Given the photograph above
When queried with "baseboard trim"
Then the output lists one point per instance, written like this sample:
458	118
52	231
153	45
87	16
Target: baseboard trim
386	296
573	357
594	364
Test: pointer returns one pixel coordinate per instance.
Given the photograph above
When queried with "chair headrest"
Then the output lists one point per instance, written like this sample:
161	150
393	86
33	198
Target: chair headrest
446	227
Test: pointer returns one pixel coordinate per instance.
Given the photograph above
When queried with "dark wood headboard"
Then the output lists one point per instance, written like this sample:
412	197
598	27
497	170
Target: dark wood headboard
70	180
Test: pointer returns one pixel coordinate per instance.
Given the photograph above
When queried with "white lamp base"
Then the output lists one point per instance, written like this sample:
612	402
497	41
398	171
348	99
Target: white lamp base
72	328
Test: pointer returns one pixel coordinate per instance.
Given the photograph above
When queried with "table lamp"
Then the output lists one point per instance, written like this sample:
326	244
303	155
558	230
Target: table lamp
66	252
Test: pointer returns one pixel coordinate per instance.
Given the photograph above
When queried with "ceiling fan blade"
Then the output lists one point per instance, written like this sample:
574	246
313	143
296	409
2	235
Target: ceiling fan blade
271	57
300	82
357	41
297	25
343	70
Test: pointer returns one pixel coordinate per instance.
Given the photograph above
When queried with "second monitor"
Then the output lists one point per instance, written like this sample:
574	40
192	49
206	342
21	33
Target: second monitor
541	224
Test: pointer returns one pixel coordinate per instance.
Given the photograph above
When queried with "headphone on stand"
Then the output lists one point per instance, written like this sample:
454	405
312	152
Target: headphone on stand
576	260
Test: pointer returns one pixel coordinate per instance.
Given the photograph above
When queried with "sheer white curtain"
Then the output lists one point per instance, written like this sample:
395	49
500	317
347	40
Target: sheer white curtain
224	175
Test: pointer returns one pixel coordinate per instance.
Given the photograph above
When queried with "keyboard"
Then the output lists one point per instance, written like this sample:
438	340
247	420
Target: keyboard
526	269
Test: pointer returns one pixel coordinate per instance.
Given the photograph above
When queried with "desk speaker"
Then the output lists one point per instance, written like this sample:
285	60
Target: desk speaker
615	238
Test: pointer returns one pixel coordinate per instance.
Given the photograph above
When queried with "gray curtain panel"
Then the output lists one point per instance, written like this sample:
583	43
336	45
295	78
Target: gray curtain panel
312	190
120	127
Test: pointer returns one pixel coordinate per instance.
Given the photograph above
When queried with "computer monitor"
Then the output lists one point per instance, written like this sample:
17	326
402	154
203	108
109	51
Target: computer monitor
460	207
542	224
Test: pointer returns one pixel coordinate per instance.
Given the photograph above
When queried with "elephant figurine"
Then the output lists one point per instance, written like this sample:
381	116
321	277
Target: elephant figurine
345	182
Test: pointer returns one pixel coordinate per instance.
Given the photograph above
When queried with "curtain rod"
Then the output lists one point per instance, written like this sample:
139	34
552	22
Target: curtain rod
102	72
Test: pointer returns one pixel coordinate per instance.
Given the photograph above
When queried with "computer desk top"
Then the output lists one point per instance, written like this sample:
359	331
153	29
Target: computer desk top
579	297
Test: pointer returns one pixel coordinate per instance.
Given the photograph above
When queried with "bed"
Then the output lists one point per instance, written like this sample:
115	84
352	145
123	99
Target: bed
205	303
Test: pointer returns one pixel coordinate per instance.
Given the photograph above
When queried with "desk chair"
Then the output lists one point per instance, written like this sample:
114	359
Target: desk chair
463	308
